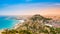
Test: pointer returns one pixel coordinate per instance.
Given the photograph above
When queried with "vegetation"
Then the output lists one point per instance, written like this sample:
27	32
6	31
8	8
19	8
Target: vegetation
35	25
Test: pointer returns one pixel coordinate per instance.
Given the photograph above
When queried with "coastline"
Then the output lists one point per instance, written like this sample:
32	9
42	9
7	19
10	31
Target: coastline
18	23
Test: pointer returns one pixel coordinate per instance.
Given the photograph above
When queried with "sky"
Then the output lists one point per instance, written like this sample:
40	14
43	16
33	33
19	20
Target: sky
29	7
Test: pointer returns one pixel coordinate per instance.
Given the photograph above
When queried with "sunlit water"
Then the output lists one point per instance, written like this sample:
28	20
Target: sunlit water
6	22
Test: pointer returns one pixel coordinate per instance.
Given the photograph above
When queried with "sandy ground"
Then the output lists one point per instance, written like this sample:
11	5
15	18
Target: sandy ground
0	32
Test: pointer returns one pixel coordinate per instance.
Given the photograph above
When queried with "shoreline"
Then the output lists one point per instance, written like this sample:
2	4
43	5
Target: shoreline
17	24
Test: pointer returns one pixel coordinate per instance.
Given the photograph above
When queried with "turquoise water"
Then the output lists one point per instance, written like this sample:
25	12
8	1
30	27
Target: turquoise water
7	23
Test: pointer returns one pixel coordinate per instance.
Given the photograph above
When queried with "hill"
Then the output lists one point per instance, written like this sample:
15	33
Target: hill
34	25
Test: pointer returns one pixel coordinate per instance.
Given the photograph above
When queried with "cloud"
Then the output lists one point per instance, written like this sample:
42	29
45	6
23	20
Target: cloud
57	3
28	0
25	9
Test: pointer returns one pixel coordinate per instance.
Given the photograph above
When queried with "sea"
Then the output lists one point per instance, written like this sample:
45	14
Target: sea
8	22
